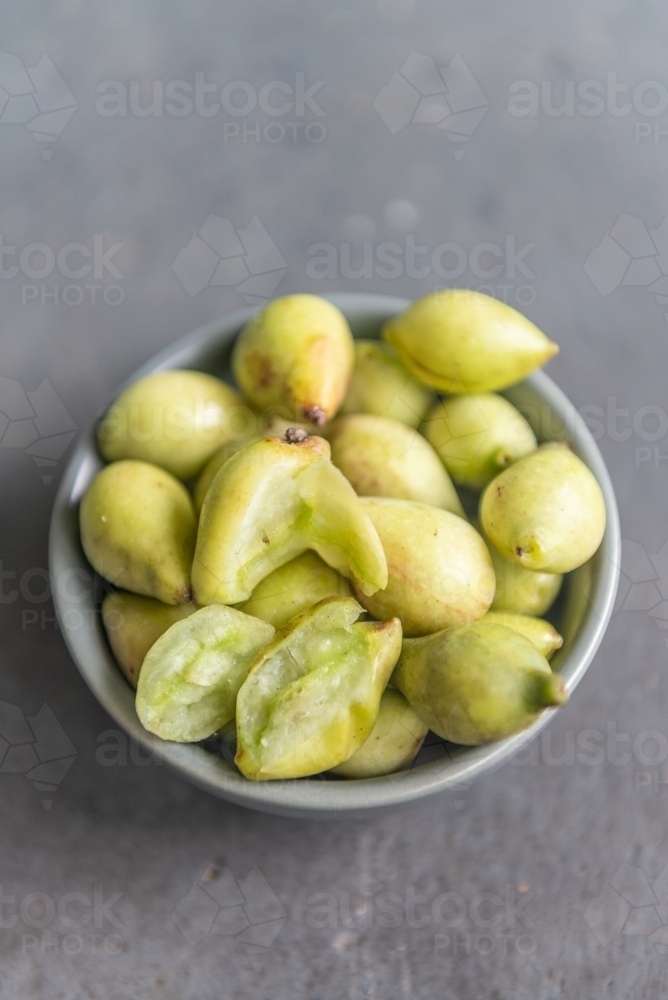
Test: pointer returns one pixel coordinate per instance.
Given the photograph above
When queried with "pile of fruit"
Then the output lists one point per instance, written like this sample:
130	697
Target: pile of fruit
314	582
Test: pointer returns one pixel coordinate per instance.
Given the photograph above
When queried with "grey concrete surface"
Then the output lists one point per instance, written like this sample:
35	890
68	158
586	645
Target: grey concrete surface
542	880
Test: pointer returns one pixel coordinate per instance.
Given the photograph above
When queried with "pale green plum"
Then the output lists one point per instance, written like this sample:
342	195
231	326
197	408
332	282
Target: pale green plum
522	591
216	462
546	512
269	503
294	588
383	387
439	569
394	742
312	696
175	419
190	678
296	353
461	341
542	634
138	530
133	623
477	436
269	425
385	458
477	683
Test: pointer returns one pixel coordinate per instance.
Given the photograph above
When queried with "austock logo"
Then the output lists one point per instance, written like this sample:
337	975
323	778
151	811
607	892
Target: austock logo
36	746
631	904
74	261
220	255
246	910
259	107
631	255
643	583
36	422
37	98
422	93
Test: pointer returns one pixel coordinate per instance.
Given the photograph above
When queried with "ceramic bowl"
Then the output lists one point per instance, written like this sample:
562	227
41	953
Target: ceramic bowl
581	614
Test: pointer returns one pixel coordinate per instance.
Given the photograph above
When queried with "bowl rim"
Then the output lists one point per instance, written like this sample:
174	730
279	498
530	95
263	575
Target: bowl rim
315	799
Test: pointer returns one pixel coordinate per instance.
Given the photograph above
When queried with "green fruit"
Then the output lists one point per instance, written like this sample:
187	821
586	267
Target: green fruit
477	683
394	742
272	426
134	623
478	436
138	530
382	386
189	682
311	697
216	462
462	341
294	588
522	591
544	636
269	503
298	353
174	419
546	511
383	458
439	570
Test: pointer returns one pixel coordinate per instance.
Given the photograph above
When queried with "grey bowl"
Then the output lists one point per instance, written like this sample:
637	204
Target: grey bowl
582	613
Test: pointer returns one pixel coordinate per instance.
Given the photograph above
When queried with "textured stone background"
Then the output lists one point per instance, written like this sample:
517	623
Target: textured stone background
553	866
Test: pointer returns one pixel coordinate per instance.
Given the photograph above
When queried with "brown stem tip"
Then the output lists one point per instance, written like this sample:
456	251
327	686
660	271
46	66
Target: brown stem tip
294	435
316	415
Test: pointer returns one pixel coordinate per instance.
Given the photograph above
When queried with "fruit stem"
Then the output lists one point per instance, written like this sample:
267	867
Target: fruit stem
295	435
550	690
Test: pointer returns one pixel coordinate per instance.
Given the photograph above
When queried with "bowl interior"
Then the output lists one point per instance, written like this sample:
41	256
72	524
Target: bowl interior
580	614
